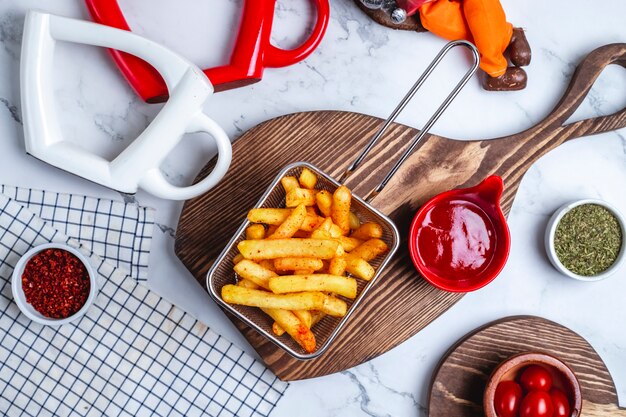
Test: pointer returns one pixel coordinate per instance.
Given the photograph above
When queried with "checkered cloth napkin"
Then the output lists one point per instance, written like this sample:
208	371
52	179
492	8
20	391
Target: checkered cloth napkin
133	353
119	233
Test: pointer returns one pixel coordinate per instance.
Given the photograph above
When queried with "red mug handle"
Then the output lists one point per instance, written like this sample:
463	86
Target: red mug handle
143	78
253	50
275	57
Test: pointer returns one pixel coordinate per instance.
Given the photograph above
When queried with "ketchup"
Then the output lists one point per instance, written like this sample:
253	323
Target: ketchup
456	239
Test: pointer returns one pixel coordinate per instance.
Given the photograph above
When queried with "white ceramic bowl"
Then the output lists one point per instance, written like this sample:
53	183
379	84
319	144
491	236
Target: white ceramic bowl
551	230
20	297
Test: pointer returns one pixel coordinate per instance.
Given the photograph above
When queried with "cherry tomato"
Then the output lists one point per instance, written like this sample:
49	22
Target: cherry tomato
536	377
507	398
560	403
536	404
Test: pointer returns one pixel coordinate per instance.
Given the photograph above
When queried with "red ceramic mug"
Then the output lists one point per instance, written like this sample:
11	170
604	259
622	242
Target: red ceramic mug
253	51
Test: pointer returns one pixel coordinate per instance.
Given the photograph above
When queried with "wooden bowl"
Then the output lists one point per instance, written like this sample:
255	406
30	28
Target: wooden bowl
562	375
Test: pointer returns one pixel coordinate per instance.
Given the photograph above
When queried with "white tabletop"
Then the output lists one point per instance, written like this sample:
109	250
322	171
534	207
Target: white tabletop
366	68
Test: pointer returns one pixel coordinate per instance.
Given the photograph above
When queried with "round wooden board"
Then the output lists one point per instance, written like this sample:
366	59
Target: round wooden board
458	383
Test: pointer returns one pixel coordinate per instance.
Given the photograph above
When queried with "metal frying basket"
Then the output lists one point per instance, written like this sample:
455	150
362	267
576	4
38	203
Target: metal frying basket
221	273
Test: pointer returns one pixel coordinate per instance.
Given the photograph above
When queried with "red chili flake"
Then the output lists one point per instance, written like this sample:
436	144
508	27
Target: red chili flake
56	283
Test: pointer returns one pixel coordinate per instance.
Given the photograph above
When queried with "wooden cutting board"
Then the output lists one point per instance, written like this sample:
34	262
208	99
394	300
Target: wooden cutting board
401	303
459	380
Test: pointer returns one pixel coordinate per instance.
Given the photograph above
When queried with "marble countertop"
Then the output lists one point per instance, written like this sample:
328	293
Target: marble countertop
365	68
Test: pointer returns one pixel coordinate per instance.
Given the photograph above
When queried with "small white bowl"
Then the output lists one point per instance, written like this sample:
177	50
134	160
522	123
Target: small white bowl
551	230
20	297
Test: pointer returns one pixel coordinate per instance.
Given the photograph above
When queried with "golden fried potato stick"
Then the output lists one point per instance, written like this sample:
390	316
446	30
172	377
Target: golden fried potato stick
267	264
340	210
291	225
370	249
359	267
277	330
311	222
315	282
320	234
324	200
305	317
349	243
233	294
247	284
316	317
325	225
238	258
294	327
355	223
254	272
335	231
334	306
307	179
288	248
289	183
299	196
367	231
293	264
255	231
276	216
337	266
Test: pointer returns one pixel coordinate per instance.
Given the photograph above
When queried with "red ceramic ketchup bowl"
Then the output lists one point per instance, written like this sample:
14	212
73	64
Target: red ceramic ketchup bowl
459	240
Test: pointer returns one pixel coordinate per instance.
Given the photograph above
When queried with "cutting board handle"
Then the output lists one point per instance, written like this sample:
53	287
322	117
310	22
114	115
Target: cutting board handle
582	81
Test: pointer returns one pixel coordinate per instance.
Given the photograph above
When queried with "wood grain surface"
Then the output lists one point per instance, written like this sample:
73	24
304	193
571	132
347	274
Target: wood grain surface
459	380
401	303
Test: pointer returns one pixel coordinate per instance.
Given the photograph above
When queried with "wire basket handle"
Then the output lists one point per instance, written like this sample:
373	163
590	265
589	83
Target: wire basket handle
403	104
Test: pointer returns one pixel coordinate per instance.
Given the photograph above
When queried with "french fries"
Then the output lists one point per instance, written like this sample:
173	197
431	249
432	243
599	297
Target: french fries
299	196
324	201
316	282
254	272
298	264
340	210
337	266
349	243
288	248
334	306
294	260
257	298
289	183
291	225
277	330
255	232
370	250
247	284
307	179
368	231
290	323
328	304
275	217
305	317
355	223
316	317
359	268
238	258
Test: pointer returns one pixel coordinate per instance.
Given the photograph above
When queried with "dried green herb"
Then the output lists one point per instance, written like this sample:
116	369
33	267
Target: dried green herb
588	239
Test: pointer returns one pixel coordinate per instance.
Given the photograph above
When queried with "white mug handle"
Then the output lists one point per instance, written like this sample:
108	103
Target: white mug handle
155	182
